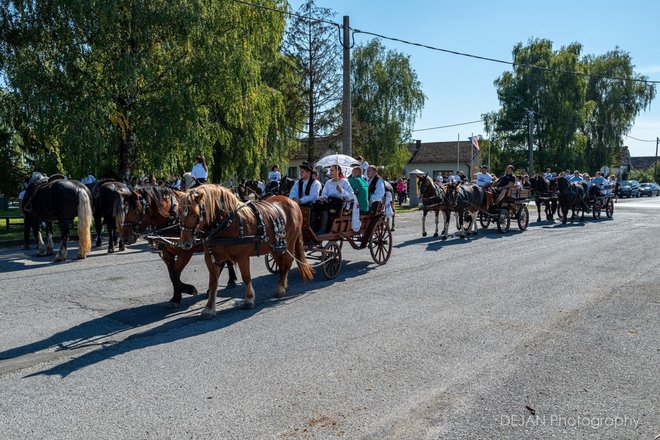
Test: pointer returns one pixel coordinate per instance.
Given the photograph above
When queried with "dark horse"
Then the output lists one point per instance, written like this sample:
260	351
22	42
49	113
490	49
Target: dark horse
283	188
544	195
235	231
433	197
107	203
155	207
466	201
572	195
48	200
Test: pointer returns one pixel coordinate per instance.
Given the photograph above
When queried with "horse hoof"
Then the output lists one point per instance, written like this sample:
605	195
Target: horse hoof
393	229
194	292
207	314
435	235
424	234
98	244
49	253
173	305
121	248
231	284
111	250
248	305
444	237
59	259
80	256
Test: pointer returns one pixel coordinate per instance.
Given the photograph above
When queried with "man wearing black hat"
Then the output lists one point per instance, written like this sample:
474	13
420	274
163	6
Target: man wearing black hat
306	190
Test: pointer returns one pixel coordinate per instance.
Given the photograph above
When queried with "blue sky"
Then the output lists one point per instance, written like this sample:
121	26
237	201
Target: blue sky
460	89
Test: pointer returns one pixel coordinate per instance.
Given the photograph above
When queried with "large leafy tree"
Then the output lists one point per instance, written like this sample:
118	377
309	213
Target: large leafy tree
312	42
387	97
128	85
555	95
613	104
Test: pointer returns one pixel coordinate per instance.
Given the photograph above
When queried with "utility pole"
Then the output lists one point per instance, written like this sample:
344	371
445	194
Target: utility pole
530	142
347	145
655	166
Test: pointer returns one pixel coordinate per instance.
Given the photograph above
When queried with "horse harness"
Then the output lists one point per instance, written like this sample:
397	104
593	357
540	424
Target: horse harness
276	216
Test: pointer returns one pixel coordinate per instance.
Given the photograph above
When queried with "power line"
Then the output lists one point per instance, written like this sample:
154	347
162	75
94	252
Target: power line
495	60
438	49
447	126
641	140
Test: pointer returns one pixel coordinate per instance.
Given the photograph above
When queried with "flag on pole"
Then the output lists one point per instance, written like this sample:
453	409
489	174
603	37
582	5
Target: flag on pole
475	142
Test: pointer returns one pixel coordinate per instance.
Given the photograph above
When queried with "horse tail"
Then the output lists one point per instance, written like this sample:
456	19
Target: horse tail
306	270
117	209
84	221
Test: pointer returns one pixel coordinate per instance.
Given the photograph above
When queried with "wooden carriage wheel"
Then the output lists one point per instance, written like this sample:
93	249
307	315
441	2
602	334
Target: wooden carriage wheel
380	243
271	263
523	217
596	209
331	259
503	221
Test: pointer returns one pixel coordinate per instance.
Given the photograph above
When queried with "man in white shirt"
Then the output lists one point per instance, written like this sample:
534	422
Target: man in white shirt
306	190
376	187
484	179
274	178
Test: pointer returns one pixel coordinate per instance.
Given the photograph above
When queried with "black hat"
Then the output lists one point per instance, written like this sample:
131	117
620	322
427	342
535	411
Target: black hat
307	166
484	166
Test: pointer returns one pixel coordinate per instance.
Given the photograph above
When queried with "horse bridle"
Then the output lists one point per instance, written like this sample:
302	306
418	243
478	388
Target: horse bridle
194	229
136	226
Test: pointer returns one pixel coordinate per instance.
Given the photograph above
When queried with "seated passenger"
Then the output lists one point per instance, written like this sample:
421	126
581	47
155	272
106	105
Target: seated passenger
376	188
336	192
306	190
506	181
484	180
360	189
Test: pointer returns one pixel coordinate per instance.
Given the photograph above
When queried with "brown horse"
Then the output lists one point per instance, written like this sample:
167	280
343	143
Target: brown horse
433	198
235	231
155	207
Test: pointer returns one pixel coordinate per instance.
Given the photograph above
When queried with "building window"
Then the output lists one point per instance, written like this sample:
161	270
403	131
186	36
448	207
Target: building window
293	172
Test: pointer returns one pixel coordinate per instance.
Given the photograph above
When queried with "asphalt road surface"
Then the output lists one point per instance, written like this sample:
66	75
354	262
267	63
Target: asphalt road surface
548	333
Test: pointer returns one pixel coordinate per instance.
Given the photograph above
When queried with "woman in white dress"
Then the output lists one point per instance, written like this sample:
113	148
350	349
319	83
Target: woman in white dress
336	193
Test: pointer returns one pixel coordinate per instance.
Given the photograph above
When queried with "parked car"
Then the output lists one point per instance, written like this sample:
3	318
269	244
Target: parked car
629	188
649	189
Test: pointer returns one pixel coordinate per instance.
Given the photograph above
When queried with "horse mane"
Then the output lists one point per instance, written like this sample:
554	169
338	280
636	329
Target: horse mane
217	200
156	194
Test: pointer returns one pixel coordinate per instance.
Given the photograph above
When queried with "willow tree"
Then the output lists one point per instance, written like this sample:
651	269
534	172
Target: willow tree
143	85
616	95
387	97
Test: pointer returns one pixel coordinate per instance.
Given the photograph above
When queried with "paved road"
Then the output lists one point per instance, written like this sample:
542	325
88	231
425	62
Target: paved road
550	333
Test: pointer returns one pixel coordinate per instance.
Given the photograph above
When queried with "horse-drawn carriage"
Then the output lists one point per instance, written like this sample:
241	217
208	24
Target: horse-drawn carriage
513	206
601	200
326	248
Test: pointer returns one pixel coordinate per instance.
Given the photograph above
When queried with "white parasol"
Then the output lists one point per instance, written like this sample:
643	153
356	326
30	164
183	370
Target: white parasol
342	160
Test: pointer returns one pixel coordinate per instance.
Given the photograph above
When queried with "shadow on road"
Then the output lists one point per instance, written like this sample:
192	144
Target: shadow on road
177	324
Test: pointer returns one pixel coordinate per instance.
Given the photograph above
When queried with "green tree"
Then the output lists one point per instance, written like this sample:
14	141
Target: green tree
387	97
555	95
143	85
312	42
613	104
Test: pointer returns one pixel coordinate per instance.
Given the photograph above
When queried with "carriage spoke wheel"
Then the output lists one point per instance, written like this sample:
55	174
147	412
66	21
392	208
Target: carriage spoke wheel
271	263
609	209
380	243
484	219
596	209
523	218
503	221
331	259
